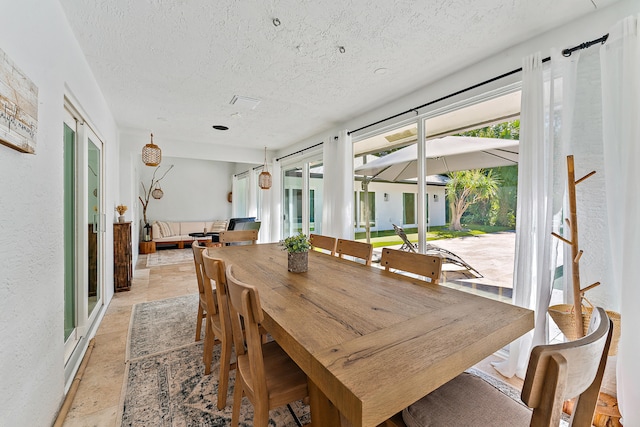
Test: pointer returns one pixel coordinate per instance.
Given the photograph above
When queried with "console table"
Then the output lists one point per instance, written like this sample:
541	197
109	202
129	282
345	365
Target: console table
122	262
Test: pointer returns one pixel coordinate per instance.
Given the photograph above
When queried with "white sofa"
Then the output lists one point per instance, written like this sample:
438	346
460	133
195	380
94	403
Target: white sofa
177	233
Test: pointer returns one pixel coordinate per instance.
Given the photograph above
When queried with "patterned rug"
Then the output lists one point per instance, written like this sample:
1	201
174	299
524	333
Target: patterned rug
165	381
169	256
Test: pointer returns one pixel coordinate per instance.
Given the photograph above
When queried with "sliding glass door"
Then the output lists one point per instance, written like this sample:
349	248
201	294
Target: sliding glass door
303	188
84	222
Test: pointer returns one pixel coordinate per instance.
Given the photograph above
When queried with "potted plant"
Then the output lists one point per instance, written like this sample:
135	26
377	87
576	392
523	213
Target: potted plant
121	210
297	248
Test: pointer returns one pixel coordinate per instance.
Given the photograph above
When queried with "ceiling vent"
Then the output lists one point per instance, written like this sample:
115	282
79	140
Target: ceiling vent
244	102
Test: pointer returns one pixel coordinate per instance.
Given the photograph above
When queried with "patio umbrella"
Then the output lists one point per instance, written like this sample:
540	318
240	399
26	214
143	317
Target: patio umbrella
447	154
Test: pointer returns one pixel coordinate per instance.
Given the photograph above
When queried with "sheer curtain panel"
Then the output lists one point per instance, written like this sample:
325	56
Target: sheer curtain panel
620	65
534	250
337	210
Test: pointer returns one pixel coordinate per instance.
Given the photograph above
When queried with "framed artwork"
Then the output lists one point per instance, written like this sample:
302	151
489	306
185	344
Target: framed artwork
18	107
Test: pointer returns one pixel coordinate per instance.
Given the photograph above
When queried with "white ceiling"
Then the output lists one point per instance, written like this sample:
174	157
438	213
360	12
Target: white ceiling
171	67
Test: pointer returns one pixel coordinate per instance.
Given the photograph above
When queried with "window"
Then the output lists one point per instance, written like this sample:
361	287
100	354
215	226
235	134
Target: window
360	209
408	208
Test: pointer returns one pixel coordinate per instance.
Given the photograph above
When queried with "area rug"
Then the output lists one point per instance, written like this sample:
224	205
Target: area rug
165	383
169	257
158	326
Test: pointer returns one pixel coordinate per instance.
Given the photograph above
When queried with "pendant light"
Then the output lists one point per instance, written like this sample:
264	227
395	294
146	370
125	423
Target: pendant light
151	154
264	179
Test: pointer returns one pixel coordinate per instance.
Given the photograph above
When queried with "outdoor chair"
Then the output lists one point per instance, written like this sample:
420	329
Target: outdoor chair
355	249
449	257
556	373
266	375
327	243
429	266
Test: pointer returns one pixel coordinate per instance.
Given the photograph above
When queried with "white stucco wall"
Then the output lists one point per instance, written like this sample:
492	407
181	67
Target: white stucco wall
35	35
389	212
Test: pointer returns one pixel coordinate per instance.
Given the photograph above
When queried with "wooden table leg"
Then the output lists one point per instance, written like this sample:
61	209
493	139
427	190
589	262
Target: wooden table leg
323	412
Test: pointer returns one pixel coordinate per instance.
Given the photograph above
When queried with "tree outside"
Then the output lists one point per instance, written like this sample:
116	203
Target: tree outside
499	209
466	188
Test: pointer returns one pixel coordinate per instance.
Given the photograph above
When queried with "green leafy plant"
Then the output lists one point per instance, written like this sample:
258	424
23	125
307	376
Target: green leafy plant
296	244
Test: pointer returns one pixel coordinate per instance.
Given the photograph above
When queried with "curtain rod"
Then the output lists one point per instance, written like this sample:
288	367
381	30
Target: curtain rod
568	52
299	151
565	52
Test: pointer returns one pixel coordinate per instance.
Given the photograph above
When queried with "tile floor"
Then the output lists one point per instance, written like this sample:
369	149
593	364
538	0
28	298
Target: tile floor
97	401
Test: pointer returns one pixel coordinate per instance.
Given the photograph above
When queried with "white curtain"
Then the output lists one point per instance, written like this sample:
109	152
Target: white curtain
272	206
234	196
252	201
620	65
337	209
535	251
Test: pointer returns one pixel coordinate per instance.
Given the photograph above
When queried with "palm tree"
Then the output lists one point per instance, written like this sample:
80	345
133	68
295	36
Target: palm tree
466	188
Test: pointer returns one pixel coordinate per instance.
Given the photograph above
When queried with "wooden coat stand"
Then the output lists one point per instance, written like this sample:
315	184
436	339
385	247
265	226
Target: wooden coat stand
576	252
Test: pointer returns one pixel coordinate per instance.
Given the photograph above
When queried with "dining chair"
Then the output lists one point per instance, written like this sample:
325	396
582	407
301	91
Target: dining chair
429	266
203	308
556	372
318	241
218	326
355	249
237	236
265	374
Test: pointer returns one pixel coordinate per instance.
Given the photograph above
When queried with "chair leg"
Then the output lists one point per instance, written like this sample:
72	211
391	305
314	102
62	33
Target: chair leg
209	339
199	323
223	385
237	401
261	414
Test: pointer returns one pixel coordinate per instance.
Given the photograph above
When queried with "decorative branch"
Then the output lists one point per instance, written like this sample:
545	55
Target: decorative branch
147	193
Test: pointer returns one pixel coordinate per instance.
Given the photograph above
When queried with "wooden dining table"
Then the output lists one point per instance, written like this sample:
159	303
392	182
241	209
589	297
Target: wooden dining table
371	342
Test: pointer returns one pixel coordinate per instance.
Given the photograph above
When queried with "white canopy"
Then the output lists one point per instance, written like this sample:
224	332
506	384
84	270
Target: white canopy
447	154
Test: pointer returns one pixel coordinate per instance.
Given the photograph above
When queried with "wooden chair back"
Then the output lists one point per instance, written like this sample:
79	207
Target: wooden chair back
558	372
244	303
355	249
429	266
235	236
318	241
203	305
197	260
218	326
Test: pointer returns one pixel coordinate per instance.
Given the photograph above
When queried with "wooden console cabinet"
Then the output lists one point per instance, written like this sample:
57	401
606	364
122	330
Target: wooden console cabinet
122	261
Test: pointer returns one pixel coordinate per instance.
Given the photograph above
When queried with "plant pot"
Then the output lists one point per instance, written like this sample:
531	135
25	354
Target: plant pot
298	262
121	218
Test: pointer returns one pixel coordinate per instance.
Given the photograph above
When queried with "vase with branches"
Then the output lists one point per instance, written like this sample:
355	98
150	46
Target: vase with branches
147	192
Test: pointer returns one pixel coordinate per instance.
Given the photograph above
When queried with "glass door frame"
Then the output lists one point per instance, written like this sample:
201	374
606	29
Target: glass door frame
84	318
303	163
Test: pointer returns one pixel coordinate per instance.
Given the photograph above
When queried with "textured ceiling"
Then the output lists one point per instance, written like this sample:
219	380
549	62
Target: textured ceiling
173	66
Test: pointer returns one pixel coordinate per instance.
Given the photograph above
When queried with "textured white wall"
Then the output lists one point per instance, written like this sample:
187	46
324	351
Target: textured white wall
194	190
35	35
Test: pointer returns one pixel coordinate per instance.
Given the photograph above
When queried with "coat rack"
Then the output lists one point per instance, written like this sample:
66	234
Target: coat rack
576	252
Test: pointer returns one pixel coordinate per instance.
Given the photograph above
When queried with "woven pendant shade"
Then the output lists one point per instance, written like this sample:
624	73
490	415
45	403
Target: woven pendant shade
151	154
157	193
264	179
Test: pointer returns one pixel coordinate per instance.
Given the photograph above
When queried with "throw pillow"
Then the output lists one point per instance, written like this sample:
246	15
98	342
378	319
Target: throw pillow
165	229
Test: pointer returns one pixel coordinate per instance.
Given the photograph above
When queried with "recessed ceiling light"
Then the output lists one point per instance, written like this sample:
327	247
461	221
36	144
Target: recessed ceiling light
381	71
220	127
341	49
276	22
